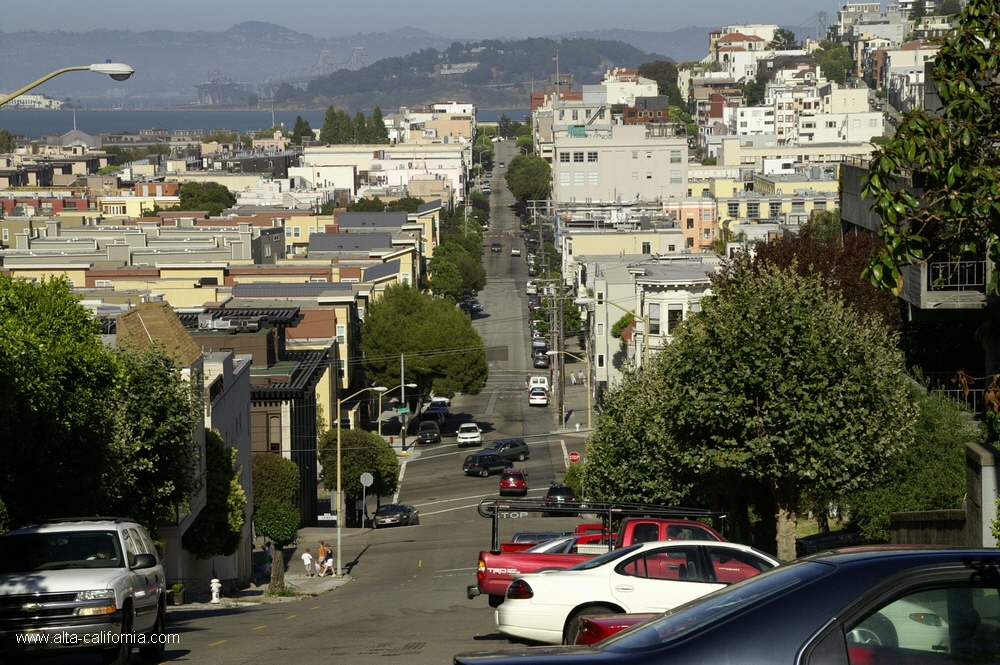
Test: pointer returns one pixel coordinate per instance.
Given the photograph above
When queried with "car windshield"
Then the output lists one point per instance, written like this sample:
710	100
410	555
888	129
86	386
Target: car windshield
557	545
467	428
716	607
387	510
22	553
597	561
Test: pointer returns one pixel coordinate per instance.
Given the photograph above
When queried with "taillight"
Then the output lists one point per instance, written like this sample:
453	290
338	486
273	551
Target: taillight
519	590
481	571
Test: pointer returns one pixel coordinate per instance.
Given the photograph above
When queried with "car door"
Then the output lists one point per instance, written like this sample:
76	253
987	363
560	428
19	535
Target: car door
657	579
143	581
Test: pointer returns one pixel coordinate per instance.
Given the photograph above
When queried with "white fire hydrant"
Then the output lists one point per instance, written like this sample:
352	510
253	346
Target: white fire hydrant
216	590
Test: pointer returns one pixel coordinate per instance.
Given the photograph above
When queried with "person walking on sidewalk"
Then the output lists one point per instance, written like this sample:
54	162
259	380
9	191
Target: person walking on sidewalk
321	558
572	378
307	561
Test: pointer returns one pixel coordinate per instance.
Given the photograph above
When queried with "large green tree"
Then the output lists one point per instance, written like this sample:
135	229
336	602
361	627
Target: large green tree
775	389
664	73
835	60
445	278
275	481
209	196
377	131
59	391
783	39
153	466
218	529
950	154
443	352
301	130
360	452
7	142
529	178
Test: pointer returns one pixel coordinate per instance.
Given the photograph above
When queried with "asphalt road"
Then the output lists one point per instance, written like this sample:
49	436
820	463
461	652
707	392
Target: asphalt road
407	602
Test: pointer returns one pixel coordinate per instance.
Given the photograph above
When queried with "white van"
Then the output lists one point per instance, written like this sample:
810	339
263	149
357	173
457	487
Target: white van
538	382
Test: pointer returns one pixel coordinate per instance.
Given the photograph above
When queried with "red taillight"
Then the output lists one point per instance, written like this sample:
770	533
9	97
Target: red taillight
481	571
519	590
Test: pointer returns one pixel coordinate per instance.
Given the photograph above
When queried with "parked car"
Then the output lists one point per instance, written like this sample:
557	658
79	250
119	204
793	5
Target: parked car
475	305
75	579
538	397
440	399
391	514
429	432
531	288
538	382
515	251
512	449
851	534
496	247
513	482
540	361
483	464
413	515
867	605
650	577
434	414
501	165
469	434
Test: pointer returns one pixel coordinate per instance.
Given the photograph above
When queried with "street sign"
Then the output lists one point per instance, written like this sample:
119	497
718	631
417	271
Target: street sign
367	479
574	457
403	409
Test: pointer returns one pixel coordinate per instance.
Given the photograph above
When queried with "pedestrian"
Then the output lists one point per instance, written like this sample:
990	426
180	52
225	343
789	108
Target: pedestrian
527	379
581	376
572	378
321	558
307	561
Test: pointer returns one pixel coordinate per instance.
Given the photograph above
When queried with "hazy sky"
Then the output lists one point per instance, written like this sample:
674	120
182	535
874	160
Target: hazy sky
472	19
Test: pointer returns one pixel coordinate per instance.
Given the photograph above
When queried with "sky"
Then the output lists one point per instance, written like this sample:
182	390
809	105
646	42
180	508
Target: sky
464	19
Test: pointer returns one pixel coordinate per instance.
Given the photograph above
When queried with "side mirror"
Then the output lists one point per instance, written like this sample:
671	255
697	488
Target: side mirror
144	561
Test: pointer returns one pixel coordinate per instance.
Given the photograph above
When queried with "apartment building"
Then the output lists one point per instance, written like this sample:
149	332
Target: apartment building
749	153
698	219
630	163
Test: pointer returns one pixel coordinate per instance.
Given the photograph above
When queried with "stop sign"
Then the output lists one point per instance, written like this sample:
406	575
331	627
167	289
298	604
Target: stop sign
574	457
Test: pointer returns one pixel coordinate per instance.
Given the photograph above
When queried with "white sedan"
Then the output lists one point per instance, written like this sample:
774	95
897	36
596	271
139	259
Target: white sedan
650	577
469	434
538	397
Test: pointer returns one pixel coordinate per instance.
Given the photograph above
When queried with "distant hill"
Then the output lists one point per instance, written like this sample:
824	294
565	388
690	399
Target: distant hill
169	64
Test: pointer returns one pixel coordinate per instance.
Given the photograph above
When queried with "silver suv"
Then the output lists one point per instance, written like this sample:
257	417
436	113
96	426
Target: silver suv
76	579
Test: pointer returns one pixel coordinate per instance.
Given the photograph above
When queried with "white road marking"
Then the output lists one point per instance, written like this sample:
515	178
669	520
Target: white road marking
562	443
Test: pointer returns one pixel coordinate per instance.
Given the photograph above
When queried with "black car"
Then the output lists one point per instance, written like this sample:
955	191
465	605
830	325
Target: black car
560	497
496	247
841	607
511	449
484	464
851	534
429	432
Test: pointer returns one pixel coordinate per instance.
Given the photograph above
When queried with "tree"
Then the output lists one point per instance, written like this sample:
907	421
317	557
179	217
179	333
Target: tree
377	131
218	529
405	204
918	10
361	452
953	209
153	462
58	394
275	481
220	136
366	205
834	59
444	353
529	177
360	129
928	475
7	142
209	196
301	130
950	8
755	90
664	73
525	144
776	389
328	133
783	39
284	92
445	278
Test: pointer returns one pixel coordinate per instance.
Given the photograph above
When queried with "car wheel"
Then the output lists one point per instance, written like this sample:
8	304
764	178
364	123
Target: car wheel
121	654
572	628
875	630
484	472
520	457
153	653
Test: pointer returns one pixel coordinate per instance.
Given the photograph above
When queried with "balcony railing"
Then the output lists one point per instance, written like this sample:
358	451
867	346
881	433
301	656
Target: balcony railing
957	276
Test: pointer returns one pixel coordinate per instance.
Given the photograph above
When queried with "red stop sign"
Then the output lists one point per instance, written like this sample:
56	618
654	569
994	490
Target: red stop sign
574	457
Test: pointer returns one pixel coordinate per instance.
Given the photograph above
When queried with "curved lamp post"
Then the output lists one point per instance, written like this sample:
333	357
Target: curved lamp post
340	498
563	369
116	70
382	391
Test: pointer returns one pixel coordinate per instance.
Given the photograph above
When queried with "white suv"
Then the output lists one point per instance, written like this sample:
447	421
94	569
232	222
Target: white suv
77	578
469	434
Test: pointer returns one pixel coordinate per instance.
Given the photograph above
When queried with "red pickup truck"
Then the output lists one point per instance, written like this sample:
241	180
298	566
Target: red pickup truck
496	570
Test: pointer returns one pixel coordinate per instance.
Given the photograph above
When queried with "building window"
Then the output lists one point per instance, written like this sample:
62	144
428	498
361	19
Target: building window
586	113
562	114
274	433
564	157
296	232
654	318
578	178
649	175
600	297
690	223
600	360
675	177
689	242
578	157
708	234
649	155
753	210
819	205
564	178
341	333
798	206
675	156
592	178
635	175
592	156
671	248
647	248
733	208
856	124
600	330
675	314
774	209
576	114
6	235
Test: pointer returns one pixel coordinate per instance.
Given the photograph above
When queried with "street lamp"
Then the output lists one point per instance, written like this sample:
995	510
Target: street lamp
340	499
116	70
586	360
645	322
382	390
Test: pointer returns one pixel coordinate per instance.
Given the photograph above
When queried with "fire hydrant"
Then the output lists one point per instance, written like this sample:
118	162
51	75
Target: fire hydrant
216	590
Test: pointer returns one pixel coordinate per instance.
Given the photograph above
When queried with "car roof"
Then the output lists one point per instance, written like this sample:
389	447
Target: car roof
73	524
655	544
468	425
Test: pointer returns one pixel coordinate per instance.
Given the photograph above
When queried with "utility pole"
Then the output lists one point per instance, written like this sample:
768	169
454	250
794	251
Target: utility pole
562	364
